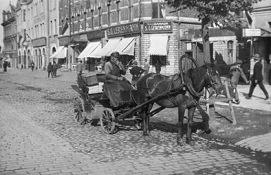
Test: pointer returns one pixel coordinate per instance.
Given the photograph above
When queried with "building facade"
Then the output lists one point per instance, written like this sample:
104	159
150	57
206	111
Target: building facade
10	36
147	29
262	20
32	22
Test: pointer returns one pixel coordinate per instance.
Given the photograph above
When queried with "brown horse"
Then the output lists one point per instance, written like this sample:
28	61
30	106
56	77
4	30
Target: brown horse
196	79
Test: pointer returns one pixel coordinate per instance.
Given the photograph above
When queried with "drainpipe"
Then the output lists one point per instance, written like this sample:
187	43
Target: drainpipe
140	36
48	34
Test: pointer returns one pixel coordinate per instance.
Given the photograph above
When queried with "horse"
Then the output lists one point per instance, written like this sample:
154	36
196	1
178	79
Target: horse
151	85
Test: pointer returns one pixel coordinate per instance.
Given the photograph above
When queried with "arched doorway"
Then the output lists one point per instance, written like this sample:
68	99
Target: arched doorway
53	50
36	58
43	58
19	60
40	59
29	57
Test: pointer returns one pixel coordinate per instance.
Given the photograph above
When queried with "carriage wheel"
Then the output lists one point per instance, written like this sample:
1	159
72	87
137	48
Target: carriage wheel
79	117
107	121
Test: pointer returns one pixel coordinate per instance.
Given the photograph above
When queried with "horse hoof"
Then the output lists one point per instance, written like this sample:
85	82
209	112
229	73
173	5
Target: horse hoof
208	131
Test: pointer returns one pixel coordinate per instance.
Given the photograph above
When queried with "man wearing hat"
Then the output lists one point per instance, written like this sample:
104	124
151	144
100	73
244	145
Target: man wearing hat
257	77
116	87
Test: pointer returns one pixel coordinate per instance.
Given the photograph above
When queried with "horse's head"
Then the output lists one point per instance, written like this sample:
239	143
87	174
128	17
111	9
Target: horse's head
213	79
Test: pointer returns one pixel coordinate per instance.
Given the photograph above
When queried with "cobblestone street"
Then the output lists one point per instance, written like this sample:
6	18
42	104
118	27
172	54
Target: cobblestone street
38	135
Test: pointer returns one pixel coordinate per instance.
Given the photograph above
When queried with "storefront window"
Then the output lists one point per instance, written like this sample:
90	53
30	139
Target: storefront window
158	9
230	50
118	11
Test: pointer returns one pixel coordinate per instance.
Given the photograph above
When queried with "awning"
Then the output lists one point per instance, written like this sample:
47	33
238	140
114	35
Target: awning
110	47
88	50
126	46
96	51
158	45
61	52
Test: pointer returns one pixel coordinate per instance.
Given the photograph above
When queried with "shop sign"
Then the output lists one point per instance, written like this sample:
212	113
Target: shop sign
64	41
157	27
251	32
119	30
39	42
96	34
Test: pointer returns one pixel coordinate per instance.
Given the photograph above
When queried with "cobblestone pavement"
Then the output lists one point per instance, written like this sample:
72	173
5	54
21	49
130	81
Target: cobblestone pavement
38	135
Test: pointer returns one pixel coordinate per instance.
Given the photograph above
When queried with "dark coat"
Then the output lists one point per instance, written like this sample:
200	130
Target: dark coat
50	67
257	72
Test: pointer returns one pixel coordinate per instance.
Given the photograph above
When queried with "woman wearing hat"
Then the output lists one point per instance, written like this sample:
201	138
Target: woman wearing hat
116	87
257	77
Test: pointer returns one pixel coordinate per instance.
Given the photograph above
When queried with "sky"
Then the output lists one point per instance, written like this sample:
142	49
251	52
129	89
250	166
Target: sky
3	6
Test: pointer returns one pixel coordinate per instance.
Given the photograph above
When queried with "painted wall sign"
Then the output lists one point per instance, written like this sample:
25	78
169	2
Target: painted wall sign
39	42
119	30
157	27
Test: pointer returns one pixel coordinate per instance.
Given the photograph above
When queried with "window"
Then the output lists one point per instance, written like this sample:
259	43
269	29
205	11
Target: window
51	27
269	24
158	9
92	18
230	50
108	14
118	11
24	15
130	11
55	27
100	16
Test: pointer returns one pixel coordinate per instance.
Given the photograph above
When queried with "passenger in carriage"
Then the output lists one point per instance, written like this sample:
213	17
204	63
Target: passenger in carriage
116	87
136	72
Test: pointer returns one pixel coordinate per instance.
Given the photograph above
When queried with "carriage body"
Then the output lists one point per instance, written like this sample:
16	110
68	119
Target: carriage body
92	100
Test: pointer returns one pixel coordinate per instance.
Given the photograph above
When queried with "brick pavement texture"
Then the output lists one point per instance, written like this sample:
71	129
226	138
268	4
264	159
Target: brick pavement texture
26	148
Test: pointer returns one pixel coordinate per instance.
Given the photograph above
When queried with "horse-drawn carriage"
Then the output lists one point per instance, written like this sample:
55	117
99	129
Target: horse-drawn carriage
166	91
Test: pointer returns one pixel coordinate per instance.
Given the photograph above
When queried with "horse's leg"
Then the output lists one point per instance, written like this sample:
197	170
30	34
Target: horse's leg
191	111
181	110
205	119
144	120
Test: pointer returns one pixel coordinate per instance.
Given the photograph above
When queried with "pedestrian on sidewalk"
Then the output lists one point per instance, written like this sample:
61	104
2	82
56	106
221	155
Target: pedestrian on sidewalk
80	67
257	77
54	69
235	72
32	66
146	67
50	70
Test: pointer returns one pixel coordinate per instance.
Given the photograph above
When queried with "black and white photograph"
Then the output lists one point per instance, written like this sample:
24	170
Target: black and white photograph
135	87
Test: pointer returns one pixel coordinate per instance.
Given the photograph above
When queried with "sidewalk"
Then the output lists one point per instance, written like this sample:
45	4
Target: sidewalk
256	102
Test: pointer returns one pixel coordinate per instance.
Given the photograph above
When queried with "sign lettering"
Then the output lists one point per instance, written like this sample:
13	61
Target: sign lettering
123	29
157	27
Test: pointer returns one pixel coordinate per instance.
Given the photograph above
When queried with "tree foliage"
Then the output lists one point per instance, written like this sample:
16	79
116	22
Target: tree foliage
220	12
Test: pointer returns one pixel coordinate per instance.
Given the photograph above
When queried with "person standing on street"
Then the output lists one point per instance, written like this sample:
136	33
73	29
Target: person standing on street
146	67
54	69
50	70
235	72
257	77
80	67
32	66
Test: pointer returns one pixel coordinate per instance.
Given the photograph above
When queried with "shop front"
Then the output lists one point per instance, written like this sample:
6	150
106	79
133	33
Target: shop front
39	46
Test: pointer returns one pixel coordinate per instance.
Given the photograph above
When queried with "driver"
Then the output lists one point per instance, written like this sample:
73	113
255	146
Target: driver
116	87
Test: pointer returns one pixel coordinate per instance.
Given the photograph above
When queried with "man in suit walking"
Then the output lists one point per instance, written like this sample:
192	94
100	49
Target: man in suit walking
257	77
